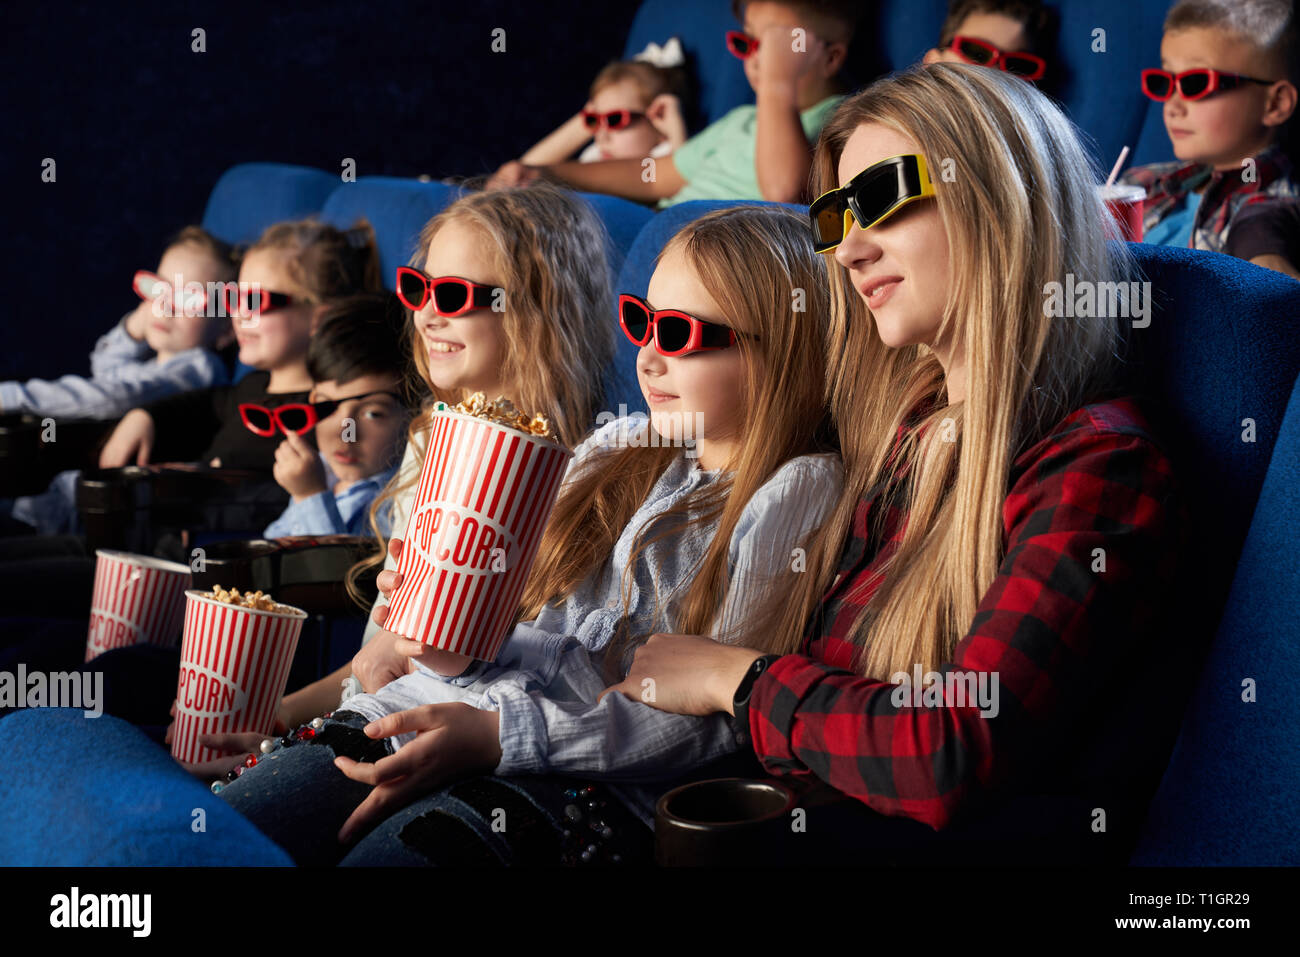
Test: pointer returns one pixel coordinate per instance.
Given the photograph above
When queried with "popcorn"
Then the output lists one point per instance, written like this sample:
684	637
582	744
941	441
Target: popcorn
503	412
257	600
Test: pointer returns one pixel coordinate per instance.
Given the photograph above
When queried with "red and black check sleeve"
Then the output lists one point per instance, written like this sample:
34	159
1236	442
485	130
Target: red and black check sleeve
1090	526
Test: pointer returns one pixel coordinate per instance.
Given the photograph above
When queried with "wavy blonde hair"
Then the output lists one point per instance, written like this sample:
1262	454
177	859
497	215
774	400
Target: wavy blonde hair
1020	210
549	248
754	261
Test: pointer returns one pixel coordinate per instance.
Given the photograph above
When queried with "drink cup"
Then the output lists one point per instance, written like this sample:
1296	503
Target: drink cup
136	600
482	502
1125	204
234	666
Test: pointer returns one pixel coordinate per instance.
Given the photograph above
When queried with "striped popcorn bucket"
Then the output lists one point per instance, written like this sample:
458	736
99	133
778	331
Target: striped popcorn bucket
485	493
234	666
136	600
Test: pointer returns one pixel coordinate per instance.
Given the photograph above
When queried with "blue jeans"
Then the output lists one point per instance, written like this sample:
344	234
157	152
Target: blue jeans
298	798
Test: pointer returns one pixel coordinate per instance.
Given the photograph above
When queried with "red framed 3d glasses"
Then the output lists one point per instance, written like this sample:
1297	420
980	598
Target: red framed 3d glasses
612	120
1027	66
1196	84
299	417
150	286
741	44
452	296
674	333
249	301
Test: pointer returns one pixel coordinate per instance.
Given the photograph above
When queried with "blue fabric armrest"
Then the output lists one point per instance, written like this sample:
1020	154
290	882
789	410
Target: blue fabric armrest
81	791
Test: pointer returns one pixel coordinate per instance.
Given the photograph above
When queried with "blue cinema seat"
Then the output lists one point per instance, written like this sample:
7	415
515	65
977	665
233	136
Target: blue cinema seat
397	208
719	78
80	791
1228	797
251	196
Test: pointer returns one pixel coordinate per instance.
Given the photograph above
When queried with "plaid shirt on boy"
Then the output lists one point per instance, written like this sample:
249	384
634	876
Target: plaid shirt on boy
1053	622
1167	183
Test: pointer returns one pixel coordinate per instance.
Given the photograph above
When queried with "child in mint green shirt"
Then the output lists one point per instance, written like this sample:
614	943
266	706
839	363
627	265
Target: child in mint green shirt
719	162
792	53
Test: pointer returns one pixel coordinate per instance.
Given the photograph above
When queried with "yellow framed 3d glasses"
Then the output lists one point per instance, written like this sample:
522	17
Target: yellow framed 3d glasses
869	198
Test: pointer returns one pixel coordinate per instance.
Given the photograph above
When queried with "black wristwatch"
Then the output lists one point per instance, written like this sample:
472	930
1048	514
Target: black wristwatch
740	700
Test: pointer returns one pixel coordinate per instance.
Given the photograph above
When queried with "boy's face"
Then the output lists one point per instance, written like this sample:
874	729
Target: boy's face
771	24
361	437
178	332
637	139
1005	33
1226	127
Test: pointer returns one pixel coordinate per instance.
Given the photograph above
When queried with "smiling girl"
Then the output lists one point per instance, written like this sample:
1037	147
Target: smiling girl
643	536
1006	519
286	279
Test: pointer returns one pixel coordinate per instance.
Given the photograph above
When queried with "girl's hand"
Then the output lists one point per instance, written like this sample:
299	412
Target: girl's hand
443	662
685	674
131	442
452	740
665	115
298	468
137	322
242	743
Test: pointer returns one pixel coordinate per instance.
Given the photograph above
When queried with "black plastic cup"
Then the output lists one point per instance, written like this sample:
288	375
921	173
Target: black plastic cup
19	455
725	822
249	566
114	506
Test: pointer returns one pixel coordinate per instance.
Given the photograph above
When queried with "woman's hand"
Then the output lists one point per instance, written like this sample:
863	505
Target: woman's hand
452	740
131	442
298	468
685	674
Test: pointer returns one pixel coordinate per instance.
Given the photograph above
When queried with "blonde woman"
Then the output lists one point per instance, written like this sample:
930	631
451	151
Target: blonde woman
654	528
1006	519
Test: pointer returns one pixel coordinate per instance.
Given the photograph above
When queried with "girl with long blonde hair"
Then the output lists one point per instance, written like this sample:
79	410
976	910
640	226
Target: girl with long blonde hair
682	520
1007	523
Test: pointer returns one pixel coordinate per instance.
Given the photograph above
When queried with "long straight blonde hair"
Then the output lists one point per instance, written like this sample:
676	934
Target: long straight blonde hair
1020	209
549	248
759	267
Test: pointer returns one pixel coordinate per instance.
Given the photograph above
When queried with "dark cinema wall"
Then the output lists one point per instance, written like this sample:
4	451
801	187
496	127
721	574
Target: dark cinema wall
140	126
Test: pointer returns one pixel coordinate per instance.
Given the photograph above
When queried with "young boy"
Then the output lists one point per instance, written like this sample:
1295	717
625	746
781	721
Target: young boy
762	151
1226	139
156	350
356	360
1013	27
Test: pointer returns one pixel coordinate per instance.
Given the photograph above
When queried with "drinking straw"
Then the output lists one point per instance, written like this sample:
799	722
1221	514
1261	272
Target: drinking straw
1119	164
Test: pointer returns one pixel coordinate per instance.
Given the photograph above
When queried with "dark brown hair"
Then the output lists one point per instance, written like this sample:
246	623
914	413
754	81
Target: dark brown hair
833	20
224	254
1030	14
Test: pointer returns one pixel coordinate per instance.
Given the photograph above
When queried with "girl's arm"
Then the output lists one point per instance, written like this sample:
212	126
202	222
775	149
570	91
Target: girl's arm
1092	535
558	145
548	723
78	397
117	349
